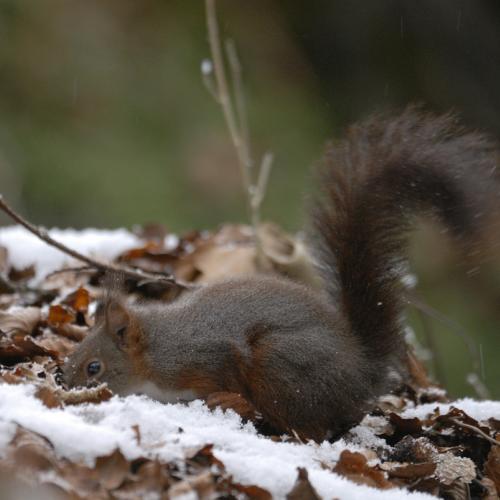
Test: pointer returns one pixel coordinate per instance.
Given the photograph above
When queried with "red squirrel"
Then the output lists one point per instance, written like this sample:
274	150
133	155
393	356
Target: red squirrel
311	362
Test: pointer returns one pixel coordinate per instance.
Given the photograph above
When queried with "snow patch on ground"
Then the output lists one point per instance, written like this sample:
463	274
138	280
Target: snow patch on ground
479	410
25	249
82	433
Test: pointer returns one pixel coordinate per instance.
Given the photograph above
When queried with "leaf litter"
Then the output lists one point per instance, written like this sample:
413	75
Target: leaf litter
415	443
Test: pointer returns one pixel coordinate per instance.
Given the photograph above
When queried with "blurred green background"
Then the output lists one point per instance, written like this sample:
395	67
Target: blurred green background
104	120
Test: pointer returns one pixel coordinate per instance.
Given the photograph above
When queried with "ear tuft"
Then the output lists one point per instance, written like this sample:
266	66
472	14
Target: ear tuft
117	320
113	282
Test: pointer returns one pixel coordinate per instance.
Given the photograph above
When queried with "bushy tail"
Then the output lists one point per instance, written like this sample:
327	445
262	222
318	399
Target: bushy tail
374	182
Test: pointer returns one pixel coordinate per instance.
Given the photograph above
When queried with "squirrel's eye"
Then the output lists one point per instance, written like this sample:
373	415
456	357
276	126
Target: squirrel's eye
93	368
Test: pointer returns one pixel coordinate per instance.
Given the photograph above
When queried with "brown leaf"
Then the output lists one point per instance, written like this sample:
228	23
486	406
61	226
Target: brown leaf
286	254
494	424
253	492
216	262
413	471
84	480
59	315
354	466
34	371
21	274
22	320
56	343
32	451
153	475
148	250
203	484
112	469
79	300
181	489
204	457
303	489
406	426
454	414
48	397
20	347
492	466
86	395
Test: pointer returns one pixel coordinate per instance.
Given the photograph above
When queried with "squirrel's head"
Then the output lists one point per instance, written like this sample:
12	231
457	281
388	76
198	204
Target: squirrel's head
111	352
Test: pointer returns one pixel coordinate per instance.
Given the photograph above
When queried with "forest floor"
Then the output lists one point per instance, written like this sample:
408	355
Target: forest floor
88	443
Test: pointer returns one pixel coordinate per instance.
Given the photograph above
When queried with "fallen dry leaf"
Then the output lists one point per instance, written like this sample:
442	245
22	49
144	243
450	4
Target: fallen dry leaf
79	300
217	262
112	469
253	492
21	274
287	255
59	315
303	489
48	397
205	457
20	320
354	466
412	471
405	426
32	451
57	343
86	395
19	347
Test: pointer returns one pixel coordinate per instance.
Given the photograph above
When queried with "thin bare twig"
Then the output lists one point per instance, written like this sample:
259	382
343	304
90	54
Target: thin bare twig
43	235
239	95
223	91
262	180
236	121
79	269
476	430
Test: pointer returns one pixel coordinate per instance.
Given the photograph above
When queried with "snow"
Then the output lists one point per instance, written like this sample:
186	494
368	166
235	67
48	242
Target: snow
25	249
82	433
479	410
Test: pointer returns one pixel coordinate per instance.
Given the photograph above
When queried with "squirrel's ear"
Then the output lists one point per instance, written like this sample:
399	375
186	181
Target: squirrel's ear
117	320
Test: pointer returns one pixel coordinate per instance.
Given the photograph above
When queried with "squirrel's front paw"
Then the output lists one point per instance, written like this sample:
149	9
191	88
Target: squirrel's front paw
233	401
